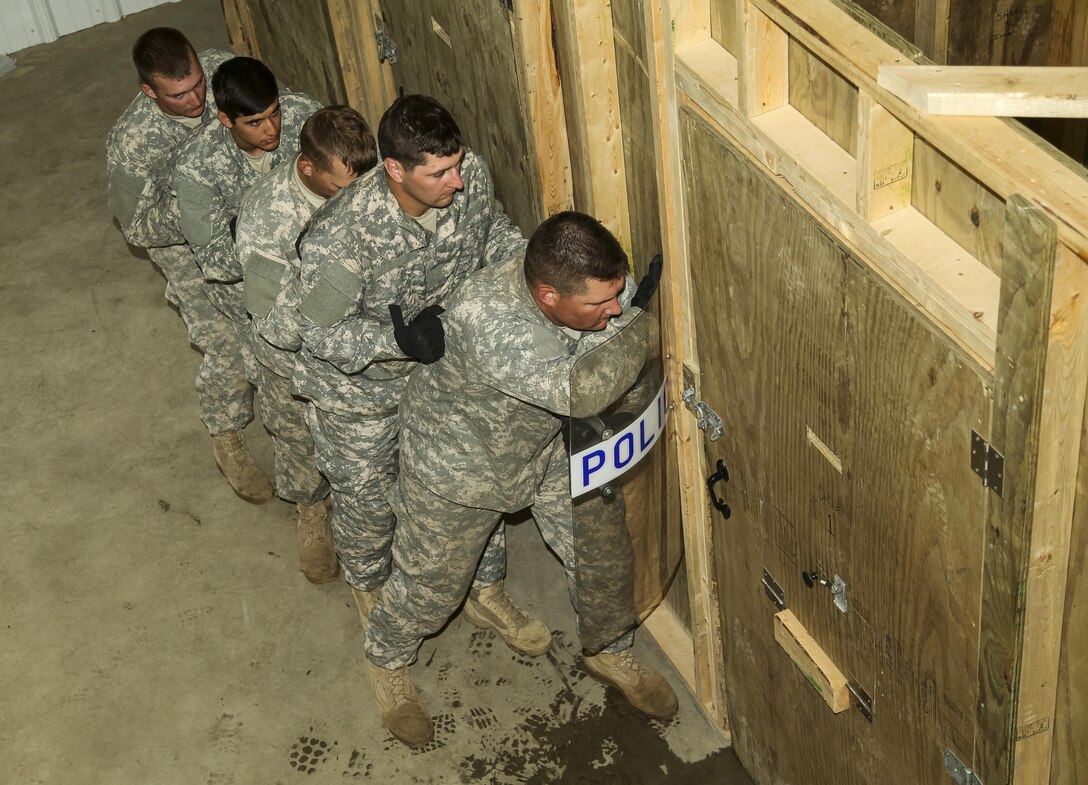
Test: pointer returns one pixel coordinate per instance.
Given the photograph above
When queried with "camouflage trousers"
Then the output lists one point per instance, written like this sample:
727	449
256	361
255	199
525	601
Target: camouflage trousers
436	549
223	386
297	477
358	456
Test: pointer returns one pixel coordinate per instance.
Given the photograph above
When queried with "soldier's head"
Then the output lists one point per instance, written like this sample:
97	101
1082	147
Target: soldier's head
336	147
170	73
421	151
248	98
576	270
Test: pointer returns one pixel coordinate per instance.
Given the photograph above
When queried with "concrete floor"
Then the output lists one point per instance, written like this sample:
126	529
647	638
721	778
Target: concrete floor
155	627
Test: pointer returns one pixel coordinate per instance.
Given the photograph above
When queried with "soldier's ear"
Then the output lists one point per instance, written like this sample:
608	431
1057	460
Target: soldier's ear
146	89
545	294
225	120
306	166
393	169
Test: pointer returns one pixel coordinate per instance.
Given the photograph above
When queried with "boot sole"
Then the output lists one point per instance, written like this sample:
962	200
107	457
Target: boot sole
483	624
317	581
606	681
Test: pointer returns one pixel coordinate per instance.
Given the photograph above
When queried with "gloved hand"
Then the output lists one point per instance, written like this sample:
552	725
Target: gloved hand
648	285
423	338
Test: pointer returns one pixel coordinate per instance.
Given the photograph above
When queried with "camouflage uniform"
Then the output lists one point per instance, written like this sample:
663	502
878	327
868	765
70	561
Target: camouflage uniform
480	437
141	150
210	178
361	253
272	215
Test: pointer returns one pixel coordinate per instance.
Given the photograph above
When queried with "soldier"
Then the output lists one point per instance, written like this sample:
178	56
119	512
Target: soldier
513	334
336	147
213	171
406	239
140	153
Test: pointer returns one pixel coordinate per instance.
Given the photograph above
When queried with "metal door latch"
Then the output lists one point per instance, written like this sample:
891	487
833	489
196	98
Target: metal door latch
837	585
709	421
387	48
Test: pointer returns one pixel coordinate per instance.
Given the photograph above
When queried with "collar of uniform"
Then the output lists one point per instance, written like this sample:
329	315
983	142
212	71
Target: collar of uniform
415	236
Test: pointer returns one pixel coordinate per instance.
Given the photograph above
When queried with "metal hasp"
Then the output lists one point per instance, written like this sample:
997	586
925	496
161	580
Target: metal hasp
709	421
988	464
959	773
862	700
774	591
387	48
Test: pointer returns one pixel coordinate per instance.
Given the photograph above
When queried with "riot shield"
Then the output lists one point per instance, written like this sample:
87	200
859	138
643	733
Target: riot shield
618	416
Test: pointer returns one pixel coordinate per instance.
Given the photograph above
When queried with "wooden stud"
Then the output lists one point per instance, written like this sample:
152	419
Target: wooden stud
1063	401
593	121
679	331
1027	282
544	101
989	90
690	22
817	668
240	30
764	64
368	82
885	161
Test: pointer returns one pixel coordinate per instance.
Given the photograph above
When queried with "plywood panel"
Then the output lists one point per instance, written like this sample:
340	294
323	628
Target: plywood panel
296	41
823	96
810	366
463	54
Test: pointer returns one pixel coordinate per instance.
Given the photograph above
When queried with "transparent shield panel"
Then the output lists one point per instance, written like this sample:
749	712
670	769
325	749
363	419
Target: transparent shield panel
618	415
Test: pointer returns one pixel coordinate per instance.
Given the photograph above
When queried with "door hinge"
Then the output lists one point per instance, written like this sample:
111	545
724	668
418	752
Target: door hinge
862	701
988	464
959	773
709	421
387	48
774	591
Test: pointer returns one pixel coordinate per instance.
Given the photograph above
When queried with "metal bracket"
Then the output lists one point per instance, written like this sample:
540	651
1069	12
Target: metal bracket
862	700
838	594
709	421
387	48
988	464
959	773
774	591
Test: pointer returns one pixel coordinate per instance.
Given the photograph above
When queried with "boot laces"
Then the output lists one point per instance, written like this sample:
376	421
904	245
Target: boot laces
400	686
628	661
233	443
502	605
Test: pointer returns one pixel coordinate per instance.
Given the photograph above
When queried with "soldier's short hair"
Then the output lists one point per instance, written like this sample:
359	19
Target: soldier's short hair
243	86
164	52
415	125
570	248
338	133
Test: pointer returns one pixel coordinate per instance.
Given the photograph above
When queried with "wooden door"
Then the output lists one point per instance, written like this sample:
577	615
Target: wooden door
465	55
848	442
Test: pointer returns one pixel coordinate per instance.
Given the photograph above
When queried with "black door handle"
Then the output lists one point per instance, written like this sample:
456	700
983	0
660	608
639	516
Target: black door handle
722	474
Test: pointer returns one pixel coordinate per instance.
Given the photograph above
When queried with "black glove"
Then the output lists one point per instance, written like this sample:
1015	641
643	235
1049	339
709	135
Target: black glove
648	285
234	228
424	337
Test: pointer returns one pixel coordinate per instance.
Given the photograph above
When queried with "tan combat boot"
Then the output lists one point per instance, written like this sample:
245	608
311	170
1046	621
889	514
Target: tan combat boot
365	602
236	464
644	687
402	711
491	608
316	555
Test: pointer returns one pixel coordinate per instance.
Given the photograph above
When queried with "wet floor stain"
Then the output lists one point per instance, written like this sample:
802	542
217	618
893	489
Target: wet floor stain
564	728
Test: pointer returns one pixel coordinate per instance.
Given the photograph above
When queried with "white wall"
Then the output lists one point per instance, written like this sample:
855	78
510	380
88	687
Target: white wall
25	23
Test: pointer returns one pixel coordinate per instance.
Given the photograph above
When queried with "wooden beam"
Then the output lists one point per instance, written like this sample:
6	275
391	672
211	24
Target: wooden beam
593	105
817	668
368	82
680	360
885	161
240	30
989	90
533	26
764	64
